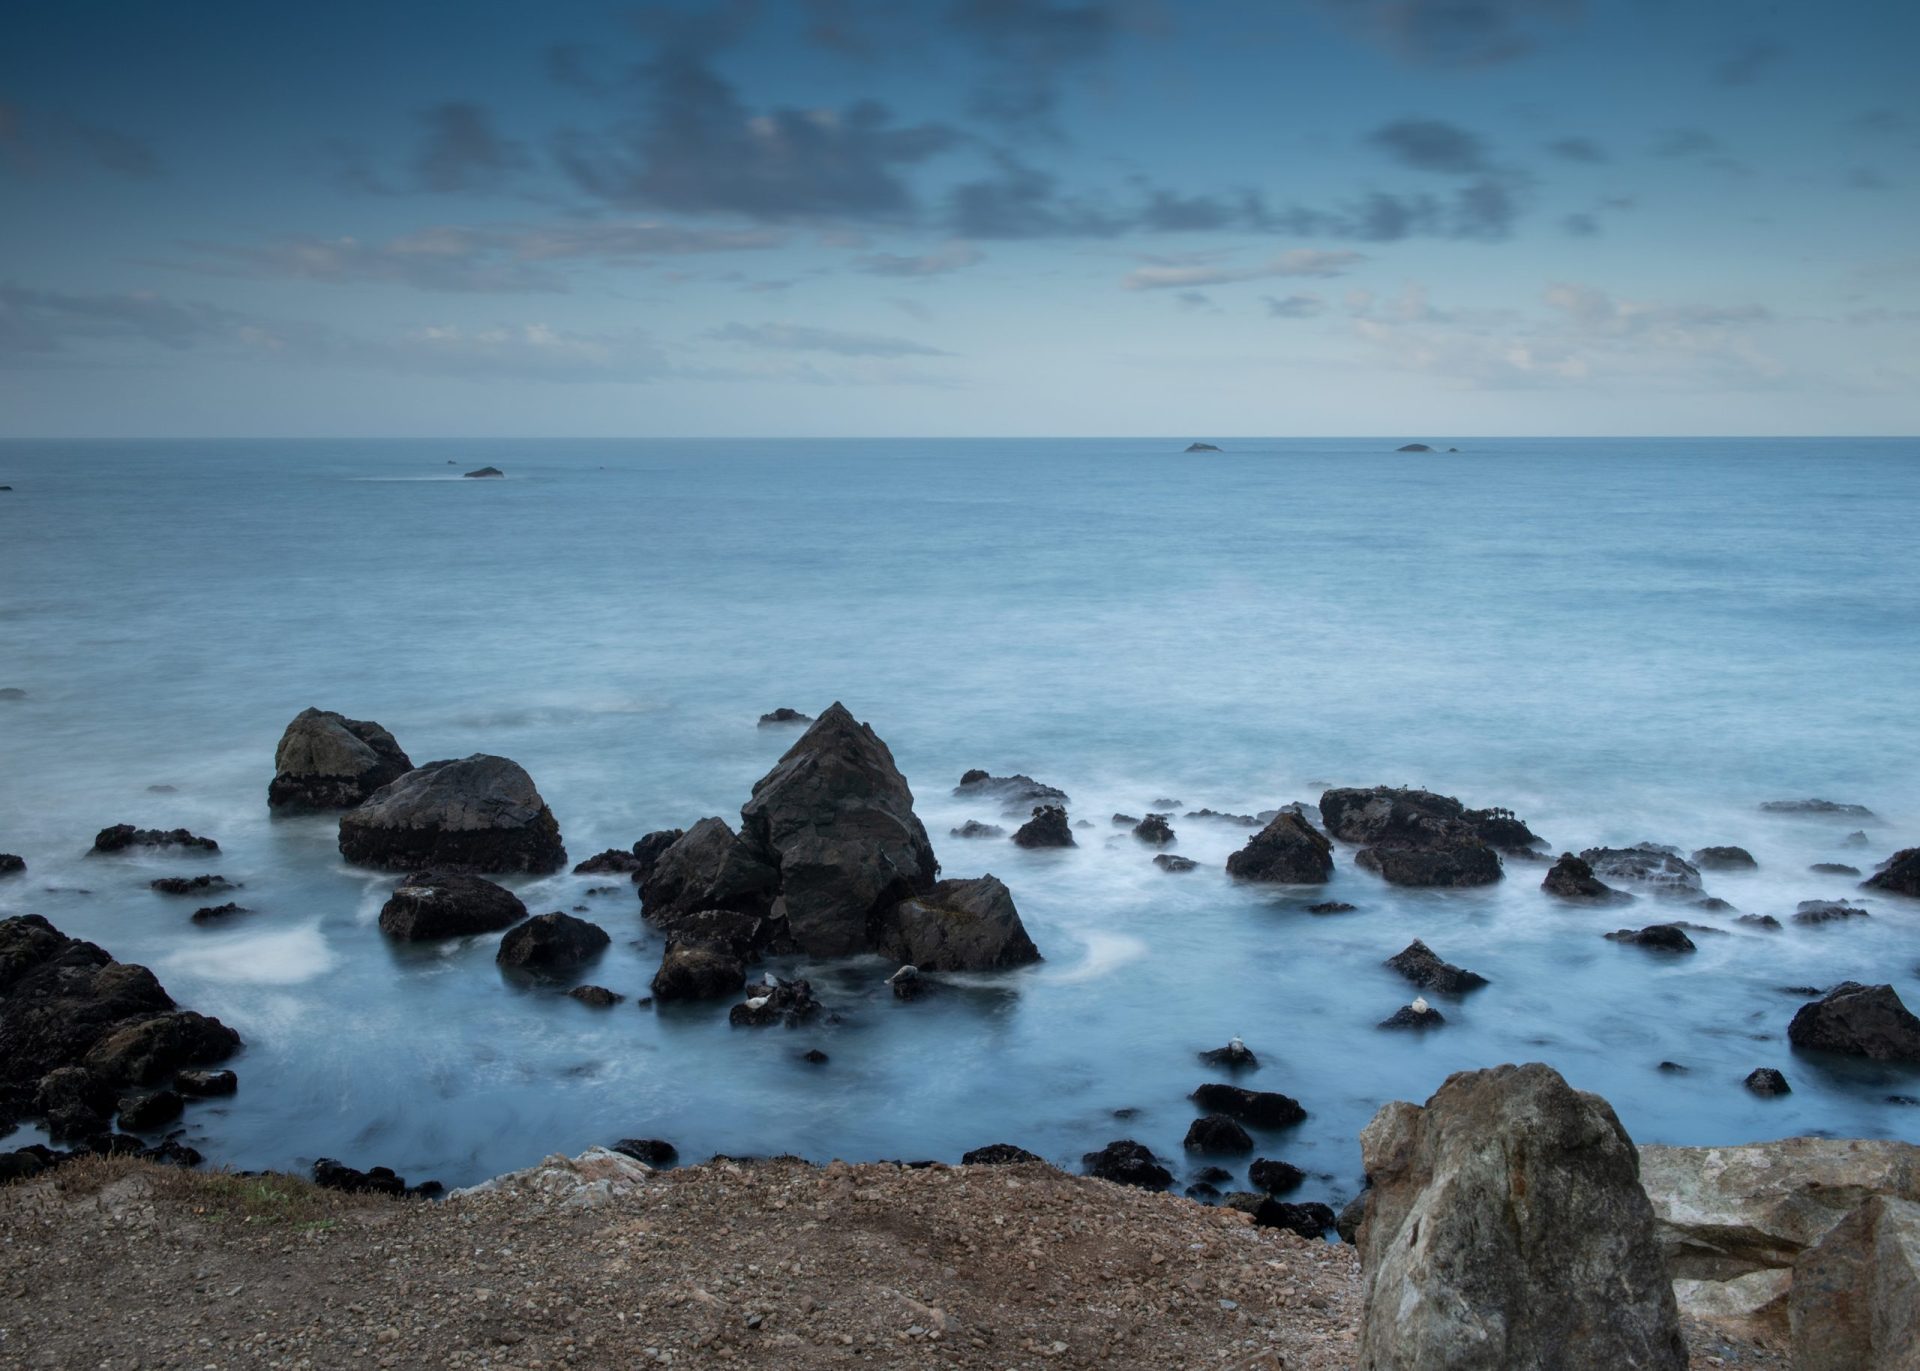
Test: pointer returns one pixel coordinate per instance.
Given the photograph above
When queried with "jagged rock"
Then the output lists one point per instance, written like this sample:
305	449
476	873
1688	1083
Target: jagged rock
690	971
74	1102
784	716
120	837
1261	1108
1128	1163
655	1152
1764	1080
1658	937
191	885
218	913
648	851
1415	837
1858	1021
613	862
1505	1228
328	761
1310	1220
596	996
707	867
1572	879
1236	1056
742	936
1275	1177
1419	964
1901	874
479	813
998	1154
1017	794
1217	1133
551	942
1288	851
1827	808
1419	1014
151	1050
973	828
1154	829
1724	859
1047	828
1331	907
205	1084
1827	912
11	864
1661	870
957	926
775	1001
1855	1300
1167	861
433	904
144	1113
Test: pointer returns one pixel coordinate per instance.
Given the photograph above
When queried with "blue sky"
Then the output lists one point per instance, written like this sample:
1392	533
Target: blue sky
1434	217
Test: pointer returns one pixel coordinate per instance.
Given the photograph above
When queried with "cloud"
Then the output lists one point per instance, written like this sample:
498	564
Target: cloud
951	257
1745	63
1020	201
1295	307
1299	262
1431	145
1697	144
40	142
1028	44
34	321
1577	150
802	338
1193	299
1581	225
1865	178
461	151
1455	33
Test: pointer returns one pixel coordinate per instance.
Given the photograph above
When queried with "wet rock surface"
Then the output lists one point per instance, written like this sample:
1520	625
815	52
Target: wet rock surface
958	925
1858	1021
1655	937
328	761
124	837
1900	875
1126	1162
1261	1108
552	942
1288	851
1572	878
475	814
1047	828
430	905
1421	965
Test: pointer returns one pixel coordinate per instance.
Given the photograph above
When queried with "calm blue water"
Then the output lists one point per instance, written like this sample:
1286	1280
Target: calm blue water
1623	640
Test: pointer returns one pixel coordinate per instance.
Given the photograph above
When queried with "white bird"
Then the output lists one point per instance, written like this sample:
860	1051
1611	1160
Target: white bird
759	1002
1420	1004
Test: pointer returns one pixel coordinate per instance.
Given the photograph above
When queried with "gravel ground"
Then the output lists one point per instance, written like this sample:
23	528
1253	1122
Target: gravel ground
121	1264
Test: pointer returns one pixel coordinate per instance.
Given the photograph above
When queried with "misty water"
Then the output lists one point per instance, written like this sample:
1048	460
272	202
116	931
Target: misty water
1621	640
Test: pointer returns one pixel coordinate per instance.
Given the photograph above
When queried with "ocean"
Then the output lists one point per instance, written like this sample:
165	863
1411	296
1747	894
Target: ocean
1622	640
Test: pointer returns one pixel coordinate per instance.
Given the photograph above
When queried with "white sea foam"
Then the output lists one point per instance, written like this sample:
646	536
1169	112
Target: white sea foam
287	957
1106	954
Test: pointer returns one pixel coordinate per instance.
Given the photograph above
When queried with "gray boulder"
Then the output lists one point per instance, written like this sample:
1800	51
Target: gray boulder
1506	1227
1855	1302
328	761
1901	874
1570	878
1659	869
479	813
552	942
433	904
692	971
1288	851
1858	1021
957	926
707	867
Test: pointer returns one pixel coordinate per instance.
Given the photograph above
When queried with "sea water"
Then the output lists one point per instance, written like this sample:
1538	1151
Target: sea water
1622	640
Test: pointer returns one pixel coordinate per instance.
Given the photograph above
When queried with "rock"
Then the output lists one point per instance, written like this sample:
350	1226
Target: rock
1857	838
969	925
1154	829
12	692
1507	1228
74	1102
1124	820
1901	874
1834	869
191	885
329	1174
742	936
1713	905
1813	912
835	818
998	1154
1418	838
11	865
1451	864
908	984
484	473
120	837
1855	1300
1310	1220
205	1084
1017	794
1347	1222
1275	1177
1236	1056
1288	851
1658	937
707	867
433	904
1217	1133
1761	921
1243	820
1128	1163
1419	965
1733	1221
973	828
1167	861
1331	907
1047	828
596	996
1261	1108
1570	878
655	1152
1414	447
1825	808
783	716
218	913
1201	447
1661	871
1764	1080
813	1056
1724	859
613	862
1858	1021
144	1113
1419	1014
648	851
479	813
552	942
775	1001
328	761
153	1049
690	971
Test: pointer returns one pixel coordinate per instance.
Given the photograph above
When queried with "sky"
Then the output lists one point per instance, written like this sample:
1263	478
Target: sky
1199	218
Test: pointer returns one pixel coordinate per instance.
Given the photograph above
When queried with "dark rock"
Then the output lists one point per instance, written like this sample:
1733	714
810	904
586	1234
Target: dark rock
144	1113
151	1050
1165	806
205	1084
1235	1055
11	865
1201	447
1124	820
329	1174
1762	921
1288	851
1128	1163
1857	838
908	984
192	885
171	1152
1347	1222
1414	447
1673	1068
655	1152
123	836
967	925
1450	864
1827	911
1419	1014
973	828
485	472
1724	859
1275	1177
1826	808
12	693
783	716
1713	905
1310	1220
1047	828
1330	907
1213	1175
1658	937
23	1164
1261	1108
998	1154
1834	869
1764	1080
1217	1133
218	913
328	761
741	936
1572	879
551	942
813	1056
74	1102
434	904
598	996
614	861
1415	837
1502	828
1661	871
1858	1021
1243	820
1204	1191
479	813
649	850
1167	861
1154	829
775	1001
1017	794
1901	874
707	867
1419	964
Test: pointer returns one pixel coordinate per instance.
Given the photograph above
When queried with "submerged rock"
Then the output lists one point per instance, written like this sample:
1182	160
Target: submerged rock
1858	1021
973	828
1288	851
1901	874
1658	937
595	996
613	862
968	925
1275	1177
191	885
1236	1056
1833	869
1419	1014
552	942
1724	859
12	864
1765	1080
1017	794
216	913
433	904
1570	878
784	716
1660	869
1331	907
1168	861
1814	912
1825	808
479	813
120	837
1261	1108
1419	964
328	761
1127	1162
1217	1133
1242	820
1506	1227
1765	922
1855	1300
1047	828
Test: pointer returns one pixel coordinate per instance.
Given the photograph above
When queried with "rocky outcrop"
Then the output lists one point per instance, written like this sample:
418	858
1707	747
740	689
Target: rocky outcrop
1658	937
597	1177
1016	794
1261	1108
1816	912
1217	1133
1154	830
191	885
431	904
774	1001
1659	870
1825	808
552	942
998	1154
1415	837
11	864
1201	447
973	828
1235	1056
967	925
613	862
1047	828
1288	851
1168	861
1724	859
1570	878
479	814
784	717
328	761
1732	1221
691	971
707	867
648	851
1127	1162
1901	874
1418	1015
1506	1227
1858	1021
485	473
1855	1302
121	837
1275	1177
1419	964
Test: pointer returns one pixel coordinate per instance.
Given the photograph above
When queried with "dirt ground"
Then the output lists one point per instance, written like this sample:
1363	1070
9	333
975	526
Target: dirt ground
120	1264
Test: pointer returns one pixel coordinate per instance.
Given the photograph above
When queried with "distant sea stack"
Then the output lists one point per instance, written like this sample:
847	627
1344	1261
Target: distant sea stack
1201	447
485	472
1414	447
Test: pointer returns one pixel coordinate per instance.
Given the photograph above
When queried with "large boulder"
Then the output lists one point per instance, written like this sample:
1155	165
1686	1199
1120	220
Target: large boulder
707	867
1457	860
1733	1221
1572	878
1661	870
1288	851
432	904
1261	1108
695	971
552	942
957	926
1855	1303
1506	1227
1900	876
1858	1021
328	761
835	817
1127	1162
1415	837
479	813
1047	828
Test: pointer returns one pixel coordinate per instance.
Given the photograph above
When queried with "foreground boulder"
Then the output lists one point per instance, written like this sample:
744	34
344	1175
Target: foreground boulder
328	761
1261	1108
552	942
957	926
1414	837
691	971
1419	964
1733	1221
1571	878
431	905
1900	876
1855	1302
1858	1021
1288	851
1506	1227
479	813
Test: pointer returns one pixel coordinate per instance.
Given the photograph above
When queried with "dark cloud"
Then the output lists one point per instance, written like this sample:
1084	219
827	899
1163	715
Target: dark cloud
1685	142
1431	145
34	321
1020	201
1295	307
38	142
1577	150
951	257
1028	43
1581	225
1193	299
461	150
1456	33
803	338
1745	63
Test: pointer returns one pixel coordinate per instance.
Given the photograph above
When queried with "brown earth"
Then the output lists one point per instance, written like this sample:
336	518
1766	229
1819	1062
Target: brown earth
122	1264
